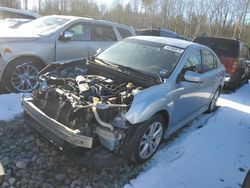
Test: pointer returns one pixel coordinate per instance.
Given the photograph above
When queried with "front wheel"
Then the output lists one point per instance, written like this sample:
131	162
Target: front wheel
22	75
143	140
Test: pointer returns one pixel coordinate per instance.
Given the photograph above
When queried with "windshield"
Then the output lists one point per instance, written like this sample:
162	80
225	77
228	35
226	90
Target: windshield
44	25
149	57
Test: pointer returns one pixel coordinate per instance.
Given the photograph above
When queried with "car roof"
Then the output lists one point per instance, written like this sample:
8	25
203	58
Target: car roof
167	41
94	20
19	11
222	38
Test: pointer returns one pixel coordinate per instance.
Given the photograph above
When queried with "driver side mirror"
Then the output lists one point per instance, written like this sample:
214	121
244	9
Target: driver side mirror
66	36
191	76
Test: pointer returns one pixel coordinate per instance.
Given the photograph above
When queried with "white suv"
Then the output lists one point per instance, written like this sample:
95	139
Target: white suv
26	50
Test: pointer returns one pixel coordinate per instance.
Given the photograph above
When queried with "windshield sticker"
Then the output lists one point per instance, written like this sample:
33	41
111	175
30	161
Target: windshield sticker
178	50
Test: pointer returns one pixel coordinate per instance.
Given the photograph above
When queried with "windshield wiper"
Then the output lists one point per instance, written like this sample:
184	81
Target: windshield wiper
127	70
130	70
103	62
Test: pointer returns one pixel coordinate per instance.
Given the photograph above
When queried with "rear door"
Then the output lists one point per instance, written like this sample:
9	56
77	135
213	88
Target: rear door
79	46
210	74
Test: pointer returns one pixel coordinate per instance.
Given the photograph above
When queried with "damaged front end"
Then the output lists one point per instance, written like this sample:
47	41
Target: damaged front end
83	110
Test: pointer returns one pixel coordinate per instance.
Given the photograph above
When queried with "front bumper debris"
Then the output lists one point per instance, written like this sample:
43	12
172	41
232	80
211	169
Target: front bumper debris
53	127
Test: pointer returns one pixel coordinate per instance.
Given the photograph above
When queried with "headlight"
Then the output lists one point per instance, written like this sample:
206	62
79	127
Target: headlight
120	121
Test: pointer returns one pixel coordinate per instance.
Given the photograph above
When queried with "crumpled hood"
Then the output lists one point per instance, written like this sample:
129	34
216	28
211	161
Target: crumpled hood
12	35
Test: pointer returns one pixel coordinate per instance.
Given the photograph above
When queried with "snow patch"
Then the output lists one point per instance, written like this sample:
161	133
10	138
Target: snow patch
213	152
10	106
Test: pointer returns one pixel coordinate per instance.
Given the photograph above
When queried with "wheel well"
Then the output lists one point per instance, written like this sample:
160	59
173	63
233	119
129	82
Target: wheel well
38	60
220	88
164	114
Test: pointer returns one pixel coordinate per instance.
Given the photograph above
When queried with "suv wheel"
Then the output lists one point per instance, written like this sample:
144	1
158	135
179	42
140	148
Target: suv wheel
22	75
143	140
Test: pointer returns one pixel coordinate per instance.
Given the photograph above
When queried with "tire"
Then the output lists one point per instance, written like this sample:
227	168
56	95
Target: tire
212	105
141	144
21	74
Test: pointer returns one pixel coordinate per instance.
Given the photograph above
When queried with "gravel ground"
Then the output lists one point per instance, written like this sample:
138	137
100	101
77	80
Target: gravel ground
31	161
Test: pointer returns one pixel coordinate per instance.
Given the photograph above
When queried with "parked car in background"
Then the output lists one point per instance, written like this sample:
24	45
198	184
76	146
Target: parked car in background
161	32
128	97
12	23
233	54
6	12
26	50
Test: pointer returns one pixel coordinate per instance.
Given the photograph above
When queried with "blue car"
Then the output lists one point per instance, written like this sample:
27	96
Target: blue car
128	97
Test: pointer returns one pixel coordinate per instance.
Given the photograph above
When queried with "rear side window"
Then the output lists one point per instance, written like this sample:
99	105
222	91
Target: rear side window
82	32
148	32
208	61
222	47
124	32
103	33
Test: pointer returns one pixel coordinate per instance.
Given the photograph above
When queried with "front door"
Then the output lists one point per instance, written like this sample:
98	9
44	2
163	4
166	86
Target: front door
189	96
79	46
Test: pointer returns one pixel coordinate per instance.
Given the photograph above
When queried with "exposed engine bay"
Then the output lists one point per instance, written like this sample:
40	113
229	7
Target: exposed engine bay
93	104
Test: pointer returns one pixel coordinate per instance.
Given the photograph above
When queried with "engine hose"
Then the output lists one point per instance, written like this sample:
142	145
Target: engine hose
98	119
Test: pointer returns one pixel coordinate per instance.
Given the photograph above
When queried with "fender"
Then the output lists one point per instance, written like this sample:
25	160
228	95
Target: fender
148	103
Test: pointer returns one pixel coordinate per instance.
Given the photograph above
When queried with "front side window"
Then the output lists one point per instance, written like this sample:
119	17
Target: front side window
81	32
103	33
207	61
193	62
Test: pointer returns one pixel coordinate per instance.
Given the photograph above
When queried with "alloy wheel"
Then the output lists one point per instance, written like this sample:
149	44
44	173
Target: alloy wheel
150	140
24	78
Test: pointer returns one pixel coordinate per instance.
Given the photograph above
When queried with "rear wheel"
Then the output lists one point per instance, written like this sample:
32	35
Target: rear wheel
143	140
22	75
212	105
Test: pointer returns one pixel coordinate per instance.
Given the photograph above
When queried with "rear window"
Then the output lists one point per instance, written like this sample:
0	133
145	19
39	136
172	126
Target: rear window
222	47
148	32
124	33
